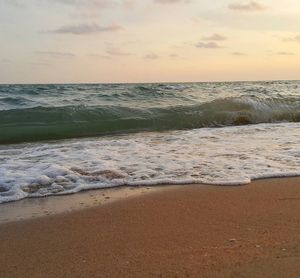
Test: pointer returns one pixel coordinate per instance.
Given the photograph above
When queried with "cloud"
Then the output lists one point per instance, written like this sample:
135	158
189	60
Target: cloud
283	53
16	3
116	52
39	64
251	6
236	53
85	29
171	1
151	56
129	4
91	4
94	55
215	37
95	3
293	39
210	45
56	54
211	41
6	61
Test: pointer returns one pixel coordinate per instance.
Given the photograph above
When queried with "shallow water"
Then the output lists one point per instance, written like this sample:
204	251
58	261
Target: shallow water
225	156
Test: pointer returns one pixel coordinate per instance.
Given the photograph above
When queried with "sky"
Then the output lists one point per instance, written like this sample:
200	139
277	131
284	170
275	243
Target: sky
104	41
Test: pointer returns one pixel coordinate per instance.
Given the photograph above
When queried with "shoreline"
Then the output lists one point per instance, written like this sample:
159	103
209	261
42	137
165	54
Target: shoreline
32	208
180	231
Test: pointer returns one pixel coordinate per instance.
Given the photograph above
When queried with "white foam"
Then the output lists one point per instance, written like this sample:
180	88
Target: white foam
225	156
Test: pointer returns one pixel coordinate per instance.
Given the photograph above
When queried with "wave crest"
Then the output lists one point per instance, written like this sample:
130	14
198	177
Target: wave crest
47	123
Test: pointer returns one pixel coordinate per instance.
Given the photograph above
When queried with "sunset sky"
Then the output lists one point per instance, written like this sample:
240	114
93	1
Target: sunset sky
56	41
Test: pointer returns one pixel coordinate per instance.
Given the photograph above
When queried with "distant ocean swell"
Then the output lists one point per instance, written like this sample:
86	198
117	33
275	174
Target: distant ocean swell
46	123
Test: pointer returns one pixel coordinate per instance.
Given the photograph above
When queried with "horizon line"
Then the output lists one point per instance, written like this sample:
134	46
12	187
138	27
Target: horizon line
152	82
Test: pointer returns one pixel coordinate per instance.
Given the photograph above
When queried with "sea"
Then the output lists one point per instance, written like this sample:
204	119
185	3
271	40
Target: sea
65	138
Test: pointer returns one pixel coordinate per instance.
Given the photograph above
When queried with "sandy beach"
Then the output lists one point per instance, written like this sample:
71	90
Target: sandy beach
180	231
156	138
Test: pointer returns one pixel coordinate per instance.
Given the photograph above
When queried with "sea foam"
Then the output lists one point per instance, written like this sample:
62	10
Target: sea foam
225	156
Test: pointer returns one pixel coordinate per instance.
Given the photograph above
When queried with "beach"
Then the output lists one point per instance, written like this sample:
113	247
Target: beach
178	231
156	138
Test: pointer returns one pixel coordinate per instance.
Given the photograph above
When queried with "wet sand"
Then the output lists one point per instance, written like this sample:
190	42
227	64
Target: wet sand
31	208
181	231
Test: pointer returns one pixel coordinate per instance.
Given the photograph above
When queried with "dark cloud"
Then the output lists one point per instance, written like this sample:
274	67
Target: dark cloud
215	37
251	6
211	45
85	29
56	54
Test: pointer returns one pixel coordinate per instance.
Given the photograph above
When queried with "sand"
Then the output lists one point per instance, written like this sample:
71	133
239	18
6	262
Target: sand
182	231
31	208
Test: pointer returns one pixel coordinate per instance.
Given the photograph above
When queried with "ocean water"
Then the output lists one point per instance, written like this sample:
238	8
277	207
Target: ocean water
60	139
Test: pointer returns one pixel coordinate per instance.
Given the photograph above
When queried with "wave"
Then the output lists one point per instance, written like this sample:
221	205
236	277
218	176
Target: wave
47	123
223	156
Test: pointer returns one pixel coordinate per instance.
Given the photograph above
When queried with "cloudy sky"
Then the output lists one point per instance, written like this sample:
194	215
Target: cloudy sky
46	41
